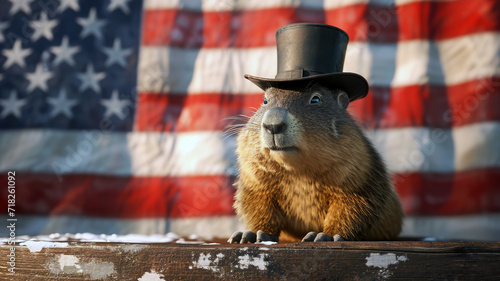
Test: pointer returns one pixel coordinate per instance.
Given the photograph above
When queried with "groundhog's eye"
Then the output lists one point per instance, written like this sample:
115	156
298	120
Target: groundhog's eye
265	100
315	99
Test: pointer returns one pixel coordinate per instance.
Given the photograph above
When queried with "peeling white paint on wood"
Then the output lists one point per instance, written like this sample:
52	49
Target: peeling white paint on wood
69	261
152	276
260	261
36	246
206	262
383	261
245	261
71	266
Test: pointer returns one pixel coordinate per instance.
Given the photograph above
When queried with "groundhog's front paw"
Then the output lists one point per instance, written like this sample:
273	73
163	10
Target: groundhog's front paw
250	237
317	237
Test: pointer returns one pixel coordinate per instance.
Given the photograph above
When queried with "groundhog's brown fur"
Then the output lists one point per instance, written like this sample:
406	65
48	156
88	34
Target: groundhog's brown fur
335	182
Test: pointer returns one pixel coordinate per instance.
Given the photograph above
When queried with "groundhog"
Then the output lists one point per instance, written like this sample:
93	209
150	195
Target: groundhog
307	172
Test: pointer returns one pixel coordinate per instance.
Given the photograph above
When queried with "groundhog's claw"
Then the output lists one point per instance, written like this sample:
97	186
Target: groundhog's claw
337	237
318	237
236	237
309	236
242	237
264	237
248	236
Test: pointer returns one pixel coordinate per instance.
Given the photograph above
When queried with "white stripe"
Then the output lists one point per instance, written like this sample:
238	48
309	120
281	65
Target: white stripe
484	227
437	150
113	153
208	153
232	5
163	70
207	227
416	62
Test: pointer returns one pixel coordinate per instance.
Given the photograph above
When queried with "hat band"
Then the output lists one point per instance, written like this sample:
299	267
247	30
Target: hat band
296	73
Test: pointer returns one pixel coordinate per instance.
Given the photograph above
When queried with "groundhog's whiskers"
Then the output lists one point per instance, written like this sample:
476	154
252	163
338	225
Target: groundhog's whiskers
237	124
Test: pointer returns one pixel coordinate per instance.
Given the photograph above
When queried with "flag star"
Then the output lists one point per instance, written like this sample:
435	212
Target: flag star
16	55
90	79
115	106
64	53
43	27
117	54
20	5
91	25
62	104
122	4
38	79
12	105
65	4
3	26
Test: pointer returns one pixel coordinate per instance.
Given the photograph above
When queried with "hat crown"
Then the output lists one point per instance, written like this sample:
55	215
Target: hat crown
307	49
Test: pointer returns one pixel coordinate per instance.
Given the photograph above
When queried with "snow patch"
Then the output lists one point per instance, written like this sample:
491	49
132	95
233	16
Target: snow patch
129	238
267	243
90	237
182	241
36	246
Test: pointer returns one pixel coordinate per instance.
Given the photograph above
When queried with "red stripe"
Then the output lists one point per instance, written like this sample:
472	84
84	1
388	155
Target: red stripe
177	112
411	106
363	22
121	197
430	105
461	193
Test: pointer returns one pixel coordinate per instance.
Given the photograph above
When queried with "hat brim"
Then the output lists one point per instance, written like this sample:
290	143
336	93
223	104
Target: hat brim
353	84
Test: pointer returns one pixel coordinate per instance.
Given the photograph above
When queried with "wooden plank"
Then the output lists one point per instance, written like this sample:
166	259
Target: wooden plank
294	261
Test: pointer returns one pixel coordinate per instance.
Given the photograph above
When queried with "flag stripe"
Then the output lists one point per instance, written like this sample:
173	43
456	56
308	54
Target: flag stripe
204	227
384	108
184	113
123	197
441	228
460	193
437	150
432	106
480	227
379	23
116	153
441	194
198	71
186	154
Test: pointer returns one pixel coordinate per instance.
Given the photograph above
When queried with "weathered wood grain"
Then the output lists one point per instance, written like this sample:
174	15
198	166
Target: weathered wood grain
410	260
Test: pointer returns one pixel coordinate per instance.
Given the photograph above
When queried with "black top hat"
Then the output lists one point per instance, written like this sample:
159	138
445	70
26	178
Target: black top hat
313	52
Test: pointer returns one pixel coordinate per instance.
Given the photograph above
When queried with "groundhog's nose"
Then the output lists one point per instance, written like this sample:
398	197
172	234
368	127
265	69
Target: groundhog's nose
274	120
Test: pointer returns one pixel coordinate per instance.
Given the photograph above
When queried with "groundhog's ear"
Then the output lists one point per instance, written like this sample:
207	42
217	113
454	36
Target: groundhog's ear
343	100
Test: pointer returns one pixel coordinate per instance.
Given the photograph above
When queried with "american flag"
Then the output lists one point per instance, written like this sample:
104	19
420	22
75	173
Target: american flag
112	112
